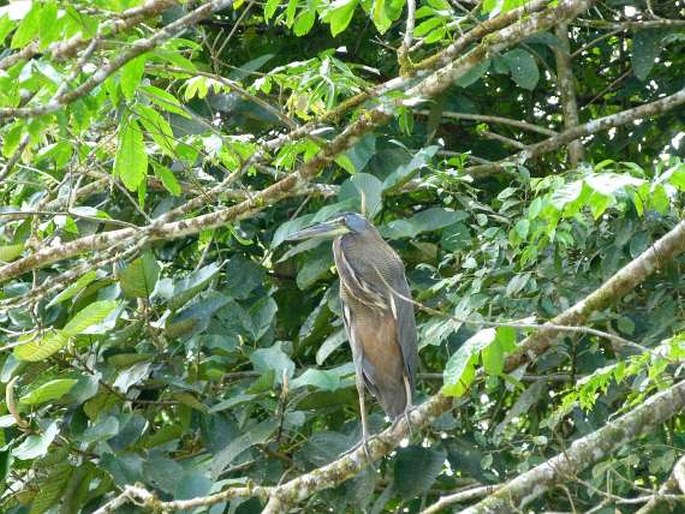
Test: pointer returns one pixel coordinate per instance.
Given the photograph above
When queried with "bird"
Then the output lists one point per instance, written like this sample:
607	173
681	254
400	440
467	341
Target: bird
378	313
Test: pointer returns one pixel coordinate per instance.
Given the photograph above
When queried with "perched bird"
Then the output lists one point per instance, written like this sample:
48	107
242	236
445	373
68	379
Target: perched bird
377	312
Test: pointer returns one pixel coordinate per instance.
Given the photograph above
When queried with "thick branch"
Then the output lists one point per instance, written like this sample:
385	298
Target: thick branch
626	279
567	90
584	452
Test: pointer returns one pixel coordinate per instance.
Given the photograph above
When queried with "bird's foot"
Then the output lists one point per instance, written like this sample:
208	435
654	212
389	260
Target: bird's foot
405	416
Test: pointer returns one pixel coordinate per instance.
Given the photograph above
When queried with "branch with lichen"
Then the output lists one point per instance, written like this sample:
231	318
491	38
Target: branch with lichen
584	452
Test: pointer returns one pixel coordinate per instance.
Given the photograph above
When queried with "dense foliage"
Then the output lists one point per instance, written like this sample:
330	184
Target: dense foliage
157	329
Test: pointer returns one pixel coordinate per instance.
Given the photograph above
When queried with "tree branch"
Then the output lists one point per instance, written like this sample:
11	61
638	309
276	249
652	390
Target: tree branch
655	108
567	91
624	280
584	452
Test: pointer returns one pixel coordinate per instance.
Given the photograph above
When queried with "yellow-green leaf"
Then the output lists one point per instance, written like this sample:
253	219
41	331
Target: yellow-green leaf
10	252
41	348
52	390
91	315
130	162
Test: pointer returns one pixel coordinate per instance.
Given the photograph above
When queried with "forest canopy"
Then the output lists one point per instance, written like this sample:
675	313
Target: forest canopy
164	347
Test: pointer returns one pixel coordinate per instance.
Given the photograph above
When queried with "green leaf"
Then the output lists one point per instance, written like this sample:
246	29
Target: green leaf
130	161
368	185
91	315
427	26
189	286
460	369
340	15
52	390
320	379
74	288
361	153
275	359
42	348
258	434
646	49
139	278
406	171
473	74
493	355
36	445
304	22
270	9
380	16
50	26
290	11
417	468
195	318
157	127
332	343
52	488
8	253
425	221
28	27
104	429
168	179
523	68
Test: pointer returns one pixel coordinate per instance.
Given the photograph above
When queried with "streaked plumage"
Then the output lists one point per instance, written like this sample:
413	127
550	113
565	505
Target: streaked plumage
379	321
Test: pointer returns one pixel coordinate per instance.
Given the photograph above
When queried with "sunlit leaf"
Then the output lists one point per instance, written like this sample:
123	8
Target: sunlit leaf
52	390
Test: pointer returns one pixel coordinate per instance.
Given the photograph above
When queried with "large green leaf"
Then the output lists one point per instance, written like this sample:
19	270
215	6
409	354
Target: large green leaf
84	321
52	390
460	369
275	359
36	445
131	74
8	253
425	221
523	68
50	343
646	49
139	278
258	434
417	468
74	288
130	161
340	14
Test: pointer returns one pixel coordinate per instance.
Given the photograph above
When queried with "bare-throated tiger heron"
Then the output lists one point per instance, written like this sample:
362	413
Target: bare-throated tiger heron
378	316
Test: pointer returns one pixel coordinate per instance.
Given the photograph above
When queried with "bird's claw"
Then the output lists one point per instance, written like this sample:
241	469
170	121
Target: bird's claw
405	416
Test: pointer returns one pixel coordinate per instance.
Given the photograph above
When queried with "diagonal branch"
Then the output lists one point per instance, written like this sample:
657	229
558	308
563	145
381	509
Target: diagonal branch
623	281
584	452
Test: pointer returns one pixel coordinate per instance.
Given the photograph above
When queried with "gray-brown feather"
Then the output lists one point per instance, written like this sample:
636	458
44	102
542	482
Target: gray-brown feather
382	325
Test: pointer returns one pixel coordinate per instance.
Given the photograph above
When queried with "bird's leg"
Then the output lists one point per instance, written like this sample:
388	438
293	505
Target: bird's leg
362	413
408	407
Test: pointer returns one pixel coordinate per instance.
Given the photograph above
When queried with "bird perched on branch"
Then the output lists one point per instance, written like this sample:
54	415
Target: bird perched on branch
377	312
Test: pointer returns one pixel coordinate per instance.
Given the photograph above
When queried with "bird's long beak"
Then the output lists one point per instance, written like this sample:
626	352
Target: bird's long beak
329	229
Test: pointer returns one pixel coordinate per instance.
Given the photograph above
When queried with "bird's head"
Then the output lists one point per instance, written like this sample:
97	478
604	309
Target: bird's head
346	223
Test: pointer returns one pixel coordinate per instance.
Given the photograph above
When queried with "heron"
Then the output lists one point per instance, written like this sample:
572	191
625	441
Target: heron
378	313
